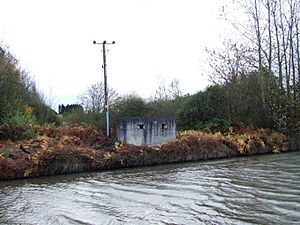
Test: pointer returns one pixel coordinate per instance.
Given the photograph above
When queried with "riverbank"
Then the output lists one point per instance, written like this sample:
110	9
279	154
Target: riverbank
60	150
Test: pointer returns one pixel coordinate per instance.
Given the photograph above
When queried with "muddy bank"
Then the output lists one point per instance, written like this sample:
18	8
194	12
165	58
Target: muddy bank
137	158
80	150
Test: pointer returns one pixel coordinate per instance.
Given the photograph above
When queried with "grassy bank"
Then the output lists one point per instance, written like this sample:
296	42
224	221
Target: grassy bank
59	150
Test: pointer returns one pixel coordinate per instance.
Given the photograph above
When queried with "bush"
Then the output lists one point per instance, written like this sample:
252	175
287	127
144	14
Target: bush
76	115
10	132
19	118
214	125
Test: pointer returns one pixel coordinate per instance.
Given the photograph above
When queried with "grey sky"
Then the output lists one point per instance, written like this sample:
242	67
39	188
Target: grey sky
155	39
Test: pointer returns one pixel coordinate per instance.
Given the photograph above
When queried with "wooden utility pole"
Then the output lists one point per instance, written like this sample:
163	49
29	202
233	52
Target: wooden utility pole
105	85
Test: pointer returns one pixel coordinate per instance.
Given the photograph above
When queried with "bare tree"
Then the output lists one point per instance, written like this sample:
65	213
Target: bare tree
273	31
278	45
93	98
230	62
168	92
298	52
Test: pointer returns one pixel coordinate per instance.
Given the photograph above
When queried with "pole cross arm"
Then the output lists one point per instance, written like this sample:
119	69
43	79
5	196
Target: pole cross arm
104	42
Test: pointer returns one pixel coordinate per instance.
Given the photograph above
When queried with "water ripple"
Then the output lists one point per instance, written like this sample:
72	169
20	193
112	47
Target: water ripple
251	190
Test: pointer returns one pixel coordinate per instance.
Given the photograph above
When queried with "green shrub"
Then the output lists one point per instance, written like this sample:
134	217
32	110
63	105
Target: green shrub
19	118
28	134
214	125
76	115
10	132
6	153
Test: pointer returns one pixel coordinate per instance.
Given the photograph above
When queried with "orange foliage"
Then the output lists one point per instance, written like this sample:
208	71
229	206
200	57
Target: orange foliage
81	148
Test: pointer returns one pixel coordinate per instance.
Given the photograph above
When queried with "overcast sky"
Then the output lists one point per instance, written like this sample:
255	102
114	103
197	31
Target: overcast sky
155	39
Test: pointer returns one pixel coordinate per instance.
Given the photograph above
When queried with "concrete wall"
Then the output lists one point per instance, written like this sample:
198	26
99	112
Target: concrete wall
149	131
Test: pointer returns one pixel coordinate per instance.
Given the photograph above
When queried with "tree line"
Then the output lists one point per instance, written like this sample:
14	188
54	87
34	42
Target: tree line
167	101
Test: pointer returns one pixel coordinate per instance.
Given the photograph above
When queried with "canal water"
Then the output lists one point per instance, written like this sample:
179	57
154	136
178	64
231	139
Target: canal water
250	190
